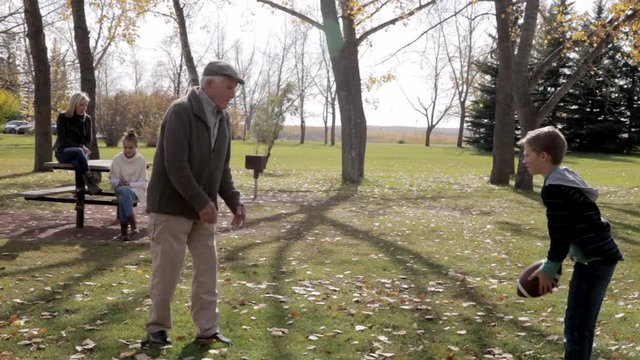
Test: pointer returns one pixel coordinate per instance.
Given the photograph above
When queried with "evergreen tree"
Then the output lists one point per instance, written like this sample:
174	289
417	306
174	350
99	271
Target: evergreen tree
630	88
595	106
481	119
554	33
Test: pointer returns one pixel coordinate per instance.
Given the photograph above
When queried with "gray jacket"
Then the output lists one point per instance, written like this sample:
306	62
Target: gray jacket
187	173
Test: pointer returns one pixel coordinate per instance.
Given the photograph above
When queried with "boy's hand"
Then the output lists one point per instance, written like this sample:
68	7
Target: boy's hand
545	283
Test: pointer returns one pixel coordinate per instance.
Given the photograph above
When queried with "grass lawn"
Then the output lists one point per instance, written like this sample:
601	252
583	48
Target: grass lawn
419	262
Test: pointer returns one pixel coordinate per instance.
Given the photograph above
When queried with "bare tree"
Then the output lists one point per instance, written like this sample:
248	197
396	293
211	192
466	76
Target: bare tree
461	57
184	42
428	108
280	98
41	81
138	68
172	67
303	74
343	49
326	87
254	90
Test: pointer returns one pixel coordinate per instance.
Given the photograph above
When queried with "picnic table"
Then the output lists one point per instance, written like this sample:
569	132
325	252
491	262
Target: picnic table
68	194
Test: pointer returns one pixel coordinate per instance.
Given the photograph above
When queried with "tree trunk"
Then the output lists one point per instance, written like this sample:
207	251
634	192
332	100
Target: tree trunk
427	136
463	114
346	72
184	42
333	123
41	83
503	133
303	124
524	105
87	71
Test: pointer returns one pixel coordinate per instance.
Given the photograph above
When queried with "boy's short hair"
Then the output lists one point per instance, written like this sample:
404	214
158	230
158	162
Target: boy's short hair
547	139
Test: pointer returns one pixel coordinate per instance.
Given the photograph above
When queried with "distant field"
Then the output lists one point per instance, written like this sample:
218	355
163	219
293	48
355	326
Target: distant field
380	134
418	262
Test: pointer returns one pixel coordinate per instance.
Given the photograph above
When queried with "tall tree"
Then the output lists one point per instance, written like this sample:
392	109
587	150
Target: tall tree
504	126
431	108
343	46
325	85
254	91
461	55
87	71
42	83
303	74
187	56
524	77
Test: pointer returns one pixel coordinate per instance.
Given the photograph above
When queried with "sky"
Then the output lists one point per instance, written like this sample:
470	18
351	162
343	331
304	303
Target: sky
386	105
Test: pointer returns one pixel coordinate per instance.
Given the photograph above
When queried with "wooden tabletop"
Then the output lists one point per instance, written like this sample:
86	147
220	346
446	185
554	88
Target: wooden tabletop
94	165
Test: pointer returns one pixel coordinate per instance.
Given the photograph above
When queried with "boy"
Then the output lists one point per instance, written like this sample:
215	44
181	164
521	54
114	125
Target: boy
575	229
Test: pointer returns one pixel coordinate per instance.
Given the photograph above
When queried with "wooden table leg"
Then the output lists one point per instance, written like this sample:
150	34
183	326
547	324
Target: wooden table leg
80	209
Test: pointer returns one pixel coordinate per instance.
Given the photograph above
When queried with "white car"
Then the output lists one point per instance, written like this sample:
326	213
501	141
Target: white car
14	126
25	128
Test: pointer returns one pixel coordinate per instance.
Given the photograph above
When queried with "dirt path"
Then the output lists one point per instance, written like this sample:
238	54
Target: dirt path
99	224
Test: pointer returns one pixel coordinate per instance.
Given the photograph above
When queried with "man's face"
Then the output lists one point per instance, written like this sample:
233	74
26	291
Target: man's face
221	91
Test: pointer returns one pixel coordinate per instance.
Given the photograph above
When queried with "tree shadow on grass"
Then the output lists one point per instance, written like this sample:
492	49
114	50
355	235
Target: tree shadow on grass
16	175
316	214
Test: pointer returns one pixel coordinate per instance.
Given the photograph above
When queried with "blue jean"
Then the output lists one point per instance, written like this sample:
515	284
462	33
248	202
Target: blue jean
76	157
586	292
126	197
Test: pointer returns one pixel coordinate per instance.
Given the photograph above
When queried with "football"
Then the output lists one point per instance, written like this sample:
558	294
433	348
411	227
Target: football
529	288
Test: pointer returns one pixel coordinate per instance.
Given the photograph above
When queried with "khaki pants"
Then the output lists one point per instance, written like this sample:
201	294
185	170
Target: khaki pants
170	236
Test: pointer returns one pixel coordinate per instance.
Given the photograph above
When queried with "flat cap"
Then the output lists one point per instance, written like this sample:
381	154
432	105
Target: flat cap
222	68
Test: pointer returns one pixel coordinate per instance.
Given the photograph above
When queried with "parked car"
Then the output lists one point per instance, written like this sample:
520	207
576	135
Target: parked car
25	128
54	129
11	127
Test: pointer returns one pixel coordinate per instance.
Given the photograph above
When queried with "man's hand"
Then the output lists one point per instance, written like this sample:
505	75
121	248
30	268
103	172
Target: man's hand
239	217
209	214
545	283
85	150
123	182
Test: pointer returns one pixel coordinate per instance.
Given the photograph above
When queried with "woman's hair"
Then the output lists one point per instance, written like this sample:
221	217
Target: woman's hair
131	136
76	99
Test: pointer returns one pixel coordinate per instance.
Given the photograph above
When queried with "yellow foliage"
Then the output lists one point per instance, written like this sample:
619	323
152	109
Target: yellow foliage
376	81
579	36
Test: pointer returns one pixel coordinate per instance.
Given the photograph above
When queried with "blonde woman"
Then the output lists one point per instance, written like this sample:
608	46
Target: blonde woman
74	139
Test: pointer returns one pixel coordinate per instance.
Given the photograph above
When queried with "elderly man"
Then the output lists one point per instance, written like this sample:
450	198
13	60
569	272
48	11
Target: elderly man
190	168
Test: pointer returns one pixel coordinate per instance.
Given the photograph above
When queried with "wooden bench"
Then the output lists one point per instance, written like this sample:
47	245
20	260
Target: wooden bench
68	194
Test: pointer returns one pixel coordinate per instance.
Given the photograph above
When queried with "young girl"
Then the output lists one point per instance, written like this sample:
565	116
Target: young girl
74	139
128	177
